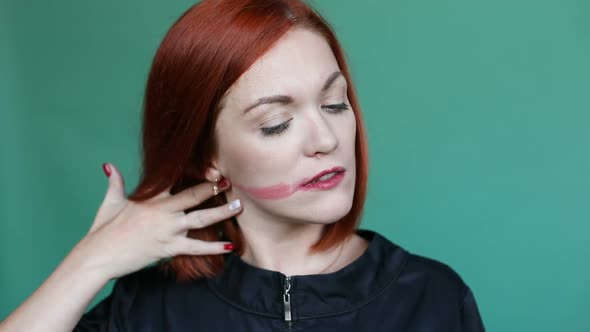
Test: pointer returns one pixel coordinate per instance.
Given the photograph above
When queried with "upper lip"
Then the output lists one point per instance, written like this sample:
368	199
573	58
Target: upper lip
322	173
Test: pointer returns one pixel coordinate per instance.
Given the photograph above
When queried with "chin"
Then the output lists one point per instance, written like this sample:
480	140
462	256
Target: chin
328	210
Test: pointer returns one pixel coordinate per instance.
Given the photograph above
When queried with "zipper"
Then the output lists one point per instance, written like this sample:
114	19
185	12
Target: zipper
287	300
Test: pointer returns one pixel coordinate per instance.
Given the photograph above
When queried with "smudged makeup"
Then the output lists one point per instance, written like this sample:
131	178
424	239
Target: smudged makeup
324	180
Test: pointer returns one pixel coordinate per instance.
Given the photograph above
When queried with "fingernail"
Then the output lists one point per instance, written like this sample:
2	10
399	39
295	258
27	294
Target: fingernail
234	205
228	246
107	169
224	183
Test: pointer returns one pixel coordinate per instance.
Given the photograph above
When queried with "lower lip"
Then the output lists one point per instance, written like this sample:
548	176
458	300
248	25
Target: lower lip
323	185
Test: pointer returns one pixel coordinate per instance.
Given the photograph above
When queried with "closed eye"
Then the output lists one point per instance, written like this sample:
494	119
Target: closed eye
278	129
336	108
275	130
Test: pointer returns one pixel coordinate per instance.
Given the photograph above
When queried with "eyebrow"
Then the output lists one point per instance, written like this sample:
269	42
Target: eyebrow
283	99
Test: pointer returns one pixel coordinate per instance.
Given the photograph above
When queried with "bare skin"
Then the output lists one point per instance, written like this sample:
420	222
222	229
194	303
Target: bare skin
124	237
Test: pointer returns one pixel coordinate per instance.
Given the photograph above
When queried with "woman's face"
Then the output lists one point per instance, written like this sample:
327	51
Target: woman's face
288	109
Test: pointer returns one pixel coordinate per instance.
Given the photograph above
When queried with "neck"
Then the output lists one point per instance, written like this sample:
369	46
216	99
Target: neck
282	245
283	248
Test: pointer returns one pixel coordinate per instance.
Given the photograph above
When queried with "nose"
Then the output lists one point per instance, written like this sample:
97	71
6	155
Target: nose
321	138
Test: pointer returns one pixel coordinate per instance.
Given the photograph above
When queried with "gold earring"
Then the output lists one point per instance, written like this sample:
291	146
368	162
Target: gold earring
215	187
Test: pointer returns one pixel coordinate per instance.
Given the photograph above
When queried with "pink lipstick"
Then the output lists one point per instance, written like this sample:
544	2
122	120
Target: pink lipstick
326	179
277	191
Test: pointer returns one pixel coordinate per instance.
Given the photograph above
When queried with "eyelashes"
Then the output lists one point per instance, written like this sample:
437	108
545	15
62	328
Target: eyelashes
275	130
278	129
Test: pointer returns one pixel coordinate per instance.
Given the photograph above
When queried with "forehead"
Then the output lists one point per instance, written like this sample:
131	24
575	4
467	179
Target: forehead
298	63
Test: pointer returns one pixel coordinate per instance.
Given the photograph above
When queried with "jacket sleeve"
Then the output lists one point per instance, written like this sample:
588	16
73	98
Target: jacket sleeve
470	318
111	313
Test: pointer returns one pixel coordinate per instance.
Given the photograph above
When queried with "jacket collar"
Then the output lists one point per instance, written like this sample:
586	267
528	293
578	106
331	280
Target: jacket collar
261	291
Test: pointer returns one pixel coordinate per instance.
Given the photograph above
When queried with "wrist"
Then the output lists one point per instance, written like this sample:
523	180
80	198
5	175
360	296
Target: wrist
87	266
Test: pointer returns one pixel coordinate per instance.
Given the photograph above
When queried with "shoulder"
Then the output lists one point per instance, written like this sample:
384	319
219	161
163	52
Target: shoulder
151	288
151	281
428	276
437	290
137	301
140	287
152	274
436	271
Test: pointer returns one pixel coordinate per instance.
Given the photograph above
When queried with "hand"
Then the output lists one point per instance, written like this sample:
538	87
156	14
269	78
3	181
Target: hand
127	236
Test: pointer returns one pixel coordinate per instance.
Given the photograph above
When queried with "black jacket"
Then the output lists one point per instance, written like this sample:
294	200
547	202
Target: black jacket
385	289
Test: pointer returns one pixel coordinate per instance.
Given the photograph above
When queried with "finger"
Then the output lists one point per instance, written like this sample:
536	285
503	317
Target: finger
114	197
116	190
191	197
187	246
163	194
206	217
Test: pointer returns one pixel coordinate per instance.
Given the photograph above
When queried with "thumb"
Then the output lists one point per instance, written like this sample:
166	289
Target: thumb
116	190
114	198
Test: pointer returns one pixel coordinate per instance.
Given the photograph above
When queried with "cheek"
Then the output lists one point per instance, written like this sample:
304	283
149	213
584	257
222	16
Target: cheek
278	191
249	162
258	173
239	160
348	131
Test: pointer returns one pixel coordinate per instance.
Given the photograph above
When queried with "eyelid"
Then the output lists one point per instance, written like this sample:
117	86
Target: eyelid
337	108
275	130
282	127
269	122
334	108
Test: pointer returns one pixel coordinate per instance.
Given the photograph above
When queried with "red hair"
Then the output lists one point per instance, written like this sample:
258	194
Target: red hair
205	51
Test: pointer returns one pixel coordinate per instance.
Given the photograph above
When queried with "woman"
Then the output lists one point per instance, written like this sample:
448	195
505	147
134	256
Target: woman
254	179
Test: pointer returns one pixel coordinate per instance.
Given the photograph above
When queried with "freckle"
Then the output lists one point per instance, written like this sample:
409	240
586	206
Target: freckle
277	191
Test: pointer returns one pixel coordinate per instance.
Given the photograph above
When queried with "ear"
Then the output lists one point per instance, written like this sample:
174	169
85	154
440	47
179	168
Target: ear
212	173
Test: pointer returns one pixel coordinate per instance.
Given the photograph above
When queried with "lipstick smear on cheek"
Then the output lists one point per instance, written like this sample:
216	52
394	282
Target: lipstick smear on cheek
277	191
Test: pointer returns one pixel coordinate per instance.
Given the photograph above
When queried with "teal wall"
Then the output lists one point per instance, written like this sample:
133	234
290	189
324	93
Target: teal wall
477	114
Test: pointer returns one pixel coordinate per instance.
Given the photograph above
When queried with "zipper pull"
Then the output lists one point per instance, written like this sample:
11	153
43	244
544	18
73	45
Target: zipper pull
287	299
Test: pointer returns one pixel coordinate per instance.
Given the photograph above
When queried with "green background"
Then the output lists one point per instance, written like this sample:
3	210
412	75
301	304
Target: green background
477	115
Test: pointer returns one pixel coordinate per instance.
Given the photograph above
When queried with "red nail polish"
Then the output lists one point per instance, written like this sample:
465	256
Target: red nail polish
223	183
229	246
107	169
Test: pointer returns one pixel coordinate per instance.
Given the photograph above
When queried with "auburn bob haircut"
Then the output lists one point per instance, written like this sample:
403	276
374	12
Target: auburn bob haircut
205	51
